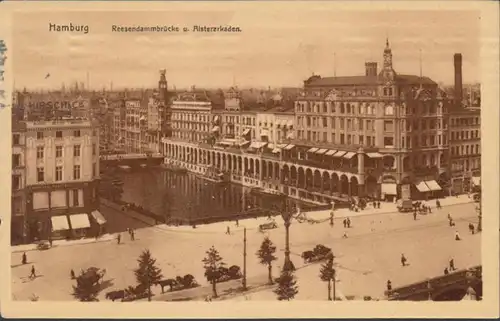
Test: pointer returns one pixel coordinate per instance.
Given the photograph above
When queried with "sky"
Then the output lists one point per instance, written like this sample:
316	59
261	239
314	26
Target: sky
275	48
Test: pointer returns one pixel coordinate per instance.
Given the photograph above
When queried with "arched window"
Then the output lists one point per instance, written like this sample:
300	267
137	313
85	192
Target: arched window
389	110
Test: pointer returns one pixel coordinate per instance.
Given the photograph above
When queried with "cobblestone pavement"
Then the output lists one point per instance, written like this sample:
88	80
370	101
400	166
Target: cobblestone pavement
365	260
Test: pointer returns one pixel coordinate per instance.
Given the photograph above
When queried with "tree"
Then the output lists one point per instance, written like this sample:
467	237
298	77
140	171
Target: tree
327	274
212	264
87	287
287	286
266	256
147	274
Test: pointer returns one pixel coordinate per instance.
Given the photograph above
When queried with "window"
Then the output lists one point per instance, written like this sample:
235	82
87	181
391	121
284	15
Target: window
325	137
93	149
325	122
360	124
39	135
94	169
368	140
16	182
58	173
333	137
16	160
388	126
16	139
76	172
76	133
59	151
75	198
389	110
39	152
76	151
342	139
94	133
40	174
388	141
361	139
59	134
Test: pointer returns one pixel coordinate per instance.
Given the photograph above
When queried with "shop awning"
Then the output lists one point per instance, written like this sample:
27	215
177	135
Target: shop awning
312	150
349	155
321	151
433	185
257	145
476	180
339	153
243	143
389	189
98	217
374	155
276	150
246	132
330	152
288	147
79	221
422	187
281	145
215	129
59	223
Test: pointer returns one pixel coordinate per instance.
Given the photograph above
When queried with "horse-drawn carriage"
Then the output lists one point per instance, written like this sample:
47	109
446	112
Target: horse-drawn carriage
268	226
179	283
319	253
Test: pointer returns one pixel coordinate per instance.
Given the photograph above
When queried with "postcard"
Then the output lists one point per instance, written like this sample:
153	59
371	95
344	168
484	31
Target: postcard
257	159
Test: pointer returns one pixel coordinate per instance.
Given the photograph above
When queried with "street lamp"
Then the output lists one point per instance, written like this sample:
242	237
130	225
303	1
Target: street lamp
480	216
287	217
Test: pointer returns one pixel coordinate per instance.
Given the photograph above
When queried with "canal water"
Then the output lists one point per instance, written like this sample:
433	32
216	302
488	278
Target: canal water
193	199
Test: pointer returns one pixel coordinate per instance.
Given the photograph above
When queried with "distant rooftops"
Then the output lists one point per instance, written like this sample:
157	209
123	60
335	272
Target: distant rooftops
317	80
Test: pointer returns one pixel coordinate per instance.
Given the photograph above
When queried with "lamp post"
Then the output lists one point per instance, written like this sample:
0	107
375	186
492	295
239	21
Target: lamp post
480	216
287	216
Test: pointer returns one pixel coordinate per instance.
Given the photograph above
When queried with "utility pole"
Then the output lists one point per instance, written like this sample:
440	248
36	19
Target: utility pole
244	282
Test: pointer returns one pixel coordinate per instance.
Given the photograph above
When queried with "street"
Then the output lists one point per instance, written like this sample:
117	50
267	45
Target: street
365	260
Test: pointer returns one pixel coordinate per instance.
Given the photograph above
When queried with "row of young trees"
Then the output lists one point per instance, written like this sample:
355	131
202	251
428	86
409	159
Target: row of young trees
148	274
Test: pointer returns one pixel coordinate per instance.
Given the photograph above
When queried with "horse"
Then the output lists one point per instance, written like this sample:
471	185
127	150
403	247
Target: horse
115	295
168	282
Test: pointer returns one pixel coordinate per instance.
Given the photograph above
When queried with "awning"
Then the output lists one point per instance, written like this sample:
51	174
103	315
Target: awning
246	132
389	189
59	223
339	153
330	152
281	145
264	132
276	150
312	150
422	187
374	155
98	217
321	151
243	143
289	146
349	155
257	145
79	221
476	180
433	185
215	129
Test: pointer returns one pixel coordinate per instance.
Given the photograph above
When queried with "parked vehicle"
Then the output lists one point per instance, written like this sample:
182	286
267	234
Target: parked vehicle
405	206
268	226
319	253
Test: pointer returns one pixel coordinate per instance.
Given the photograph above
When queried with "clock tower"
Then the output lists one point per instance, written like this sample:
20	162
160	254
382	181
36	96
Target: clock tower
387	75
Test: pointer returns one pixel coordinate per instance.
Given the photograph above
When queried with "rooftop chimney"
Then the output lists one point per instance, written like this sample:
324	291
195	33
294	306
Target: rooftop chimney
457	58
371	69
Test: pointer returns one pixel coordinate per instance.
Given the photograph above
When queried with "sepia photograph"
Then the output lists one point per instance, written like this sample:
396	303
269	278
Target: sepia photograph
236	155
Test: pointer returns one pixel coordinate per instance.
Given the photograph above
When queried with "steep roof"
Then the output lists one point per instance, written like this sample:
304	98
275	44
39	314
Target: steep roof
366	80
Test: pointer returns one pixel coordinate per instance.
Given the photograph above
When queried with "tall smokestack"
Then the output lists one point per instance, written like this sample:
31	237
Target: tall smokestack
457	58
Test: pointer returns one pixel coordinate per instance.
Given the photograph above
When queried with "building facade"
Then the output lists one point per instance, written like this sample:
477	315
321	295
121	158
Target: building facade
465	149
59	161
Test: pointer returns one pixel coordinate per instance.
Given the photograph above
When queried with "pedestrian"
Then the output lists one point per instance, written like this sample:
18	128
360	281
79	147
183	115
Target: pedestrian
403	260
348	223
446	271
72	274
50	241
345	223
389	285
452	223
24	259
438	204
378	204
457	236
118	238
228	231
449	217
331	219
132	235
33	272
414	216
237	223
471	228
452	265
429	209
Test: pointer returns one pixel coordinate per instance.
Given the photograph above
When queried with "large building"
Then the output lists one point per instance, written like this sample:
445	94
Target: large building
54	179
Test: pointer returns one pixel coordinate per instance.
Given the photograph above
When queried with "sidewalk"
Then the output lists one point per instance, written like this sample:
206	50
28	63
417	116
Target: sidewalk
57	243
385	208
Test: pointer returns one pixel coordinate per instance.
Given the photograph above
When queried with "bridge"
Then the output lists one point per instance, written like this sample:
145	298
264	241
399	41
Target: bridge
450	287
131	160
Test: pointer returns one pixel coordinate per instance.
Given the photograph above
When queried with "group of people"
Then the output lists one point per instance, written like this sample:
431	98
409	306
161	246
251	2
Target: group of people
451	267
24	261
131	233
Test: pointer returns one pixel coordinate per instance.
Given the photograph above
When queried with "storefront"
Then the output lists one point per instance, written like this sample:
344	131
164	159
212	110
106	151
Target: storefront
99	223
80	225
60	227
388	189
